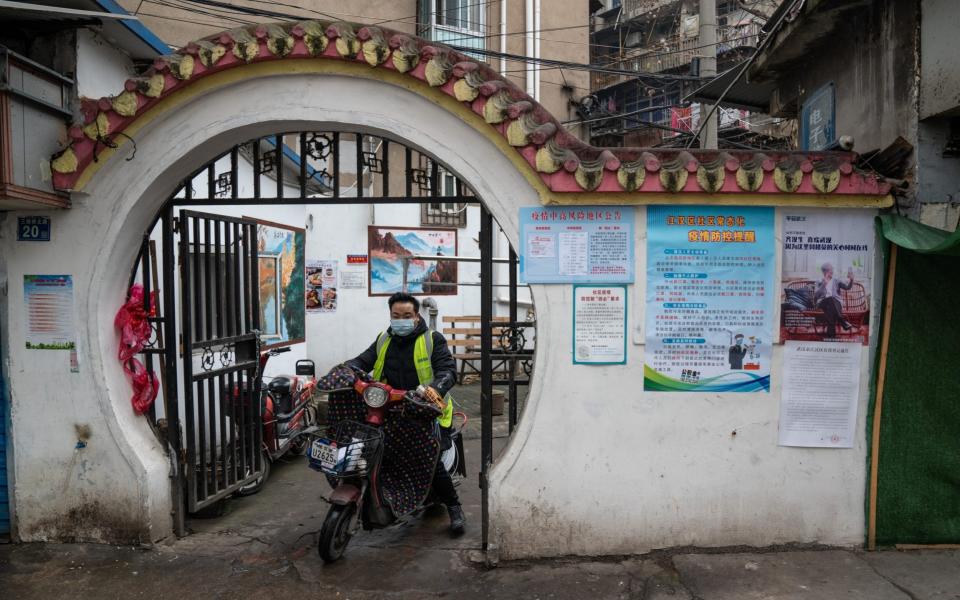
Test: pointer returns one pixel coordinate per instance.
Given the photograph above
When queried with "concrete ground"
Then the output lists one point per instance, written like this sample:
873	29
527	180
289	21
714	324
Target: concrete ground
265	546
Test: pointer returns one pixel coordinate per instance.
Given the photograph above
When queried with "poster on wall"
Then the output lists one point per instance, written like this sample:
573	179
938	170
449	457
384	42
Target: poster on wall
392	266
821	387
321	286
281	277
49	302
352	279
827	275
709	322
586	244
599	325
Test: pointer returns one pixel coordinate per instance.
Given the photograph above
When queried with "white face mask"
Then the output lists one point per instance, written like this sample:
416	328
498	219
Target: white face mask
402	327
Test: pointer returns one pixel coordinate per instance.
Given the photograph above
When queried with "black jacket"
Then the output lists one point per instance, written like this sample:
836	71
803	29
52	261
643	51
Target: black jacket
399	369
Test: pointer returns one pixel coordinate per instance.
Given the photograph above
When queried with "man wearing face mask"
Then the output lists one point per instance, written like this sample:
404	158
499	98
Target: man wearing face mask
408	355
737	352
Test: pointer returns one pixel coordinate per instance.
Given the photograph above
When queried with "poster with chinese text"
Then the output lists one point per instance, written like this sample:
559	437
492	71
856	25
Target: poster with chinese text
321	291
586	244
827	275
709	321
49	301
821	387
599	324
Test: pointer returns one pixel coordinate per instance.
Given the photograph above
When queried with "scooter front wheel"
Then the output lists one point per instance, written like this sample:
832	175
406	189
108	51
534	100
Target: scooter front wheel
335	533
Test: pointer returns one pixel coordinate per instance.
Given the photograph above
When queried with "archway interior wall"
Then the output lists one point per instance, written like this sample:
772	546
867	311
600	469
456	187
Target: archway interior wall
596	466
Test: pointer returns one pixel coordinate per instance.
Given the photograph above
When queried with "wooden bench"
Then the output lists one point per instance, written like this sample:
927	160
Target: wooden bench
463	336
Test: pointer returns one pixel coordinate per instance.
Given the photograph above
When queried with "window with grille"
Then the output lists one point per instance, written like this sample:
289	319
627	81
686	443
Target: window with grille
449	214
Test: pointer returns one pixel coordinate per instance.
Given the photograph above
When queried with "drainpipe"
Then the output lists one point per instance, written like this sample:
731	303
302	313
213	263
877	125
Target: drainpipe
503	36
430	306
528	50
536	49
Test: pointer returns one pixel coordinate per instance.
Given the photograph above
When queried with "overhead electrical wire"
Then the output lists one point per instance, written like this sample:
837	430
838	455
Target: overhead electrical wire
743	68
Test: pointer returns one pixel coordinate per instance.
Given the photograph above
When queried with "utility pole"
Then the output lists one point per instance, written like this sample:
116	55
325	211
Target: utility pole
708	67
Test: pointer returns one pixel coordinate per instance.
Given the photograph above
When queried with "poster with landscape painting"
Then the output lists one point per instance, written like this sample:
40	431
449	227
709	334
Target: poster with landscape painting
281	277
391	251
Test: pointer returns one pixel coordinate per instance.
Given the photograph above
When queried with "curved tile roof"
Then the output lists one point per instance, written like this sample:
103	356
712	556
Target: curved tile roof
564	163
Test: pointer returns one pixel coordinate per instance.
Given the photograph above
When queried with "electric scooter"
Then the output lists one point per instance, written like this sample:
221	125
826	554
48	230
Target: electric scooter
288	415
379	454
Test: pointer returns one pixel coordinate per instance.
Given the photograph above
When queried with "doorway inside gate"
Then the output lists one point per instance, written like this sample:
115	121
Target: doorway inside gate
293	242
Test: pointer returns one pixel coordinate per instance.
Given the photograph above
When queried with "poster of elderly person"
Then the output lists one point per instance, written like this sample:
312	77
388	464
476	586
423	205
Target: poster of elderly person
827	275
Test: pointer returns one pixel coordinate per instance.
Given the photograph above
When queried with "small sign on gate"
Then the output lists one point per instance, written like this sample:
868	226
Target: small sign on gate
33	229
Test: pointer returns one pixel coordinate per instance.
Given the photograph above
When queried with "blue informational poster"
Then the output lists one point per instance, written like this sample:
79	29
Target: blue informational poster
710	290
585	244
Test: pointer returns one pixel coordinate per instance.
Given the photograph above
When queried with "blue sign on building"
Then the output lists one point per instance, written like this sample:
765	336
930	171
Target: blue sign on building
818	120
33	229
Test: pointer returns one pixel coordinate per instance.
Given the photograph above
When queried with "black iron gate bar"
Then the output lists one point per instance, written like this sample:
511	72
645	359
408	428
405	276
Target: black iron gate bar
220	316
317	185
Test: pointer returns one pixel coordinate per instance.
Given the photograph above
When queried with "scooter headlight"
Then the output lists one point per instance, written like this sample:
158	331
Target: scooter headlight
375	396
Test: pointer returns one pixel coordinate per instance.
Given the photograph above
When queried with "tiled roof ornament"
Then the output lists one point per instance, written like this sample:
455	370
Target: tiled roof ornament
439	65
788	174
826	175
406	52
712	172
467	87
562	162
633	172
314	36
245	44
208	52
279	41
674	171
551	157
374	45
348	46
751	170
590	171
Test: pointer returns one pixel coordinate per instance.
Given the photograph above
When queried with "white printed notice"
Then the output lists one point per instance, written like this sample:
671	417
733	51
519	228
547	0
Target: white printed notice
49	300
821	386
583	244
573	253
599	324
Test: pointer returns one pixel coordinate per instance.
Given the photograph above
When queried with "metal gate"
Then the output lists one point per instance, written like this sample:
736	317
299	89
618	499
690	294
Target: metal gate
209	410
220	322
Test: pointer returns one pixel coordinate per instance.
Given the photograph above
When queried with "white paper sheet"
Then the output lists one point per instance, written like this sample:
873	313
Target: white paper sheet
821	386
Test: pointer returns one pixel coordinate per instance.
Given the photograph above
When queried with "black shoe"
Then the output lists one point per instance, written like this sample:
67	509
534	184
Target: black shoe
846	325
458	522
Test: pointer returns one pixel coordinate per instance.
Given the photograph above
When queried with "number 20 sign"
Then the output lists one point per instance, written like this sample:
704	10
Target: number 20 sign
33	229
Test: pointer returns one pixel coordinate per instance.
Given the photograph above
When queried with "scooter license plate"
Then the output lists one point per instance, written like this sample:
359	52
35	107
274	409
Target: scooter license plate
325	452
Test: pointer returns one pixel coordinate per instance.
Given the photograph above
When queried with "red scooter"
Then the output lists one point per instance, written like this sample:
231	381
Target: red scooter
379	454
288	415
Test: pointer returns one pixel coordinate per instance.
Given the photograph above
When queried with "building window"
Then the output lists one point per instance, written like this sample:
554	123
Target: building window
449	214
462	14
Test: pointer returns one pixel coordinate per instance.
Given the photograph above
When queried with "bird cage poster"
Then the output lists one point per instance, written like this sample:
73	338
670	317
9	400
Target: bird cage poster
827	275
401	259
281	270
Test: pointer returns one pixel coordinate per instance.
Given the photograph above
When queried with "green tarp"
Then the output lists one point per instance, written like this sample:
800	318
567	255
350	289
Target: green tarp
918	494
918	237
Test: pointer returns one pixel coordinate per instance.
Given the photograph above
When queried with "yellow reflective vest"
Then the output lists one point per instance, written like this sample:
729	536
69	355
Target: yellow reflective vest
422	353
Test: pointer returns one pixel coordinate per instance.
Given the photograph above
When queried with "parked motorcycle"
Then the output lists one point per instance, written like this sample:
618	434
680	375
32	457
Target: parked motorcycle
379	455
288	417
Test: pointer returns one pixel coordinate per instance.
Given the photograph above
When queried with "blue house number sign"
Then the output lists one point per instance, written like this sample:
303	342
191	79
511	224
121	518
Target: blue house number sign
33	229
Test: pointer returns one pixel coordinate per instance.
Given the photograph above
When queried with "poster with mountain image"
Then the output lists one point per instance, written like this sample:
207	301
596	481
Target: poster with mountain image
397	263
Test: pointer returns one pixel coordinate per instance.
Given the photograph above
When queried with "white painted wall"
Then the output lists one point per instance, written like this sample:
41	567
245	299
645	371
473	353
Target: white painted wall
102	69
596	467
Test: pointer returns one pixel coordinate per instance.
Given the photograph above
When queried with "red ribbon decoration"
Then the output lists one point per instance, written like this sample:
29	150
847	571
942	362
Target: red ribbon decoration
135	330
